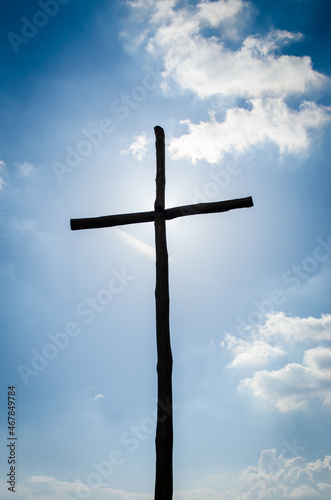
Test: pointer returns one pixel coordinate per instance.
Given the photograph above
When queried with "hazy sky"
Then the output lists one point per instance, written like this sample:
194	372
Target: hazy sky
242	90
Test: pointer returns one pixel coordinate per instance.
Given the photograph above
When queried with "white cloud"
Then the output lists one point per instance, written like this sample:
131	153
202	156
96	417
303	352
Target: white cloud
212	13
284	330
25	168
205	66
42	479
296	385
270	339
269	120
140	4
163	10
276	477
295	329
47	488
319	359
251	354
98	396
255	71
138	148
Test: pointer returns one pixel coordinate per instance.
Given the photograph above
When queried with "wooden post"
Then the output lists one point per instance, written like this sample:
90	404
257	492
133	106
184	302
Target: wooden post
164	428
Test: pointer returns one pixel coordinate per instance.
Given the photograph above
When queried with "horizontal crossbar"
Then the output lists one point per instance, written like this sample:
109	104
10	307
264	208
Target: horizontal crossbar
169	213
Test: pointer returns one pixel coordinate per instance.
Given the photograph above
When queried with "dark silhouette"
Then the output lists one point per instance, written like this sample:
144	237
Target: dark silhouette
164	429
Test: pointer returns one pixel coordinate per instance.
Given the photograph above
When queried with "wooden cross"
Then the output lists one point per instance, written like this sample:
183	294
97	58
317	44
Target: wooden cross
164	428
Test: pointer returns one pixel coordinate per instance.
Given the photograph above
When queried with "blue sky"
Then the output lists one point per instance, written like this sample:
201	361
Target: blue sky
242	90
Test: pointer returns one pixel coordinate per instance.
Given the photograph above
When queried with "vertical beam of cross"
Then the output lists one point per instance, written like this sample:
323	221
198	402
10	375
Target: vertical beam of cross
164	427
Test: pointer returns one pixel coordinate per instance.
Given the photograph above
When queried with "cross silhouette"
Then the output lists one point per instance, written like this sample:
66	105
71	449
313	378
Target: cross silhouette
164	427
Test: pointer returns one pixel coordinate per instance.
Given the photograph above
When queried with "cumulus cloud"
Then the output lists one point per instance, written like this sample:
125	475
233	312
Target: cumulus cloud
276	477
251	354
297	384
213	13
295	329
138	148
269	120
319	359
274	335
140	4
199	61
207	67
